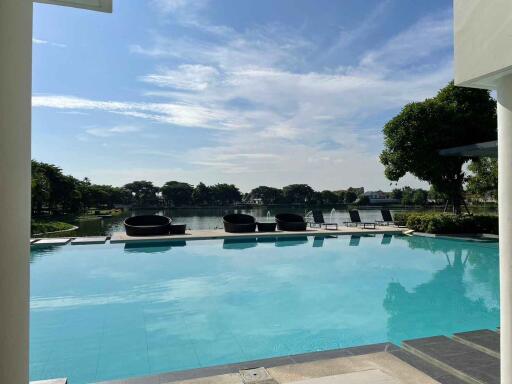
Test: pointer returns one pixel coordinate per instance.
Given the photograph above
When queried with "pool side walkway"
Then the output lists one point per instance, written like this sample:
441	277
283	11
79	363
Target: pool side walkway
357	365
466	358
209	234
121	237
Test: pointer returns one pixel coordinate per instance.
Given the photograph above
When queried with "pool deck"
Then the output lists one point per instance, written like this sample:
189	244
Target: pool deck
210	234
373	364
466	358
121	237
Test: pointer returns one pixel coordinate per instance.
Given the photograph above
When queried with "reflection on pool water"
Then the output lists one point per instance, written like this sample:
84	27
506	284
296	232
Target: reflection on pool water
102	312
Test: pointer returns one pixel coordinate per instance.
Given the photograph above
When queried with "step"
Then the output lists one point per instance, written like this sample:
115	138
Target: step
484	340
438	374
460	360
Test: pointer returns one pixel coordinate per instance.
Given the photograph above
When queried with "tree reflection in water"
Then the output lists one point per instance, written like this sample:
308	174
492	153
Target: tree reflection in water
448	302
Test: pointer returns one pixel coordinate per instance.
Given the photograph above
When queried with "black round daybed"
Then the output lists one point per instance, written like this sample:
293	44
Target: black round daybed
239	223
290	222
147	225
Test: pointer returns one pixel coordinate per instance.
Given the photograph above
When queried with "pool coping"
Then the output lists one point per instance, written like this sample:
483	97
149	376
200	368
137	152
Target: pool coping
475	237
197	373
121	237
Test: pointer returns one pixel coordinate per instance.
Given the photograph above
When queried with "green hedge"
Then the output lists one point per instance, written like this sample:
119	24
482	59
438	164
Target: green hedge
433	222
48	226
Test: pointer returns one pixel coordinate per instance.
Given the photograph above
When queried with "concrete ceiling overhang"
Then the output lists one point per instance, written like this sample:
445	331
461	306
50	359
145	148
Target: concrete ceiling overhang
487	149
93	5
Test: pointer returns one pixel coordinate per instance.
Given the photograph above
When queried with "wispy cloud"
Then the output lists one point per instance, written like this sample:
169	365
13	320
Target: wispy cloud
46	42
186	77
108	132
182	114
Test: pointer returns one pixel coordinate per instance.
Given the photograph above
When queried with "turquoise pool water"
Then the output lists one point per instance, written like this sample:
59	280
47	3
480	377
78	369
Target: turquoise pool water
102	312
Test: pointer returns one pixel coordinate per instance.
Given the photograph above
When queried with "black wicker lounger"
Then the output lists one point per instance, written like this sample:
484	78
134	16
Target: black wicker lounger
147	225
319	221
355	219
239	223
290	222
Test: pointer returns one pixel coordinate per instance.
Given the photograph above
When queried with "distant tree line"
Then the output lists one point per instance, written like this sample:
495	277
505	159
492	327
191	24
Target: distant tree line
53	192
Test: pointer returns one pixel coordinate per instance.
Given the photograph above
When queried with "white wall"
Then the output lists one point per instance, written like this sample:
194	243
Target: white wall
15	111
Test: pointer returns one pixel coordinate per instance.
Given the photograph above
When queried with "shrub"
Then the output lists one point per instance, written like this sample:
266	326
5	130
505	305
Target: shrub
41	227
442	223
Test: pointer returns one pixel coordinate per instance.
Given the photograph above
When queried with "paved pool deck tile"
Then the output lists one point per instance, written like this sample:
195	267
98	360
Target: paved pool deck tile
89	240
121	237
227	369
373	376
388	364
436	373
458	359
484	340
53	241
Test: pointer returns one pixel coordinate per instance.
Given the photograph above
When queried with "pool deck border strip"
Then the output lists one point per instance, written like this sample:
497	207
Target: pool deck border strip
267	363
476	237
89	240
52	241
121	237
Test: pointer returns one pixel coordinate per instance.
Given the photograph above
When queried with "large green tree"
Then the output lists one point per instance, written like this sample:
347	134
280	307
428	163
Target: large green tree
269	195
202	194
298	193
144	192
454	117
483	182
177	193
225	194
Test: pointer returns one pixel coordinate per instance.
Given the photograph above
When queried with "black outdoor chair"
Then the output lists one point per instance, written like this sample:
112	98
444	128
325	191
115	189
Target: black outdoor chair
355	220
318	221
387	219
290	222
239	223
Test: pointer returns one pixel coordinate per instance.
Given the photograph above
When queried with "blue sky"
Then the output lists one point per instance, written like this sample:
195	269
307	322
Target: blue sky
267	92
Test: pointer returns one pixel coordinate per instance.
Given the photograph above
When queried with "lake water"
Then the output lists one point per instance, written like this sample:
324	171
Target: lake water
211	218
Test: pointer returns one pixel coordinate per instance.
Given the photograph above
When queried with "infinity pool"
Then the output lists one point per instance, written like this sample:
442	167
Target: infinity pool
101	312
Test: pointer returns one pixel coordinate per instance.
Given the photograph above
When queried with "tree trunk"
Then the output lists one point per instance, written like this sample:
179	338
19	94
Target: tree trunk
456	199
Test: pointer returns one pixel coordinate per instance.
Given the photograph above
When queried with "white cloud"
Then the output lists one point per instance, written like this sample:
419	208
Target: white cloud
186	77
414	45
108	132
46	42
182	114
167	6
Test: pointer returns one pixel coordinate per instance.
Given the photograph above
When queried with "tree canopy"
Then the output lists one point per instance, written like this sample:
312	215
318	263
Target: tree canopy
298	193
269	195
454	117
483	182
177	193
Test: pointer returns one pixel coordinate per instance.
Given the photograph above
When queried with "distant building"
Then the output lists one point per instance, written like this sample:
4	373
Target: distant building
380	197
256	201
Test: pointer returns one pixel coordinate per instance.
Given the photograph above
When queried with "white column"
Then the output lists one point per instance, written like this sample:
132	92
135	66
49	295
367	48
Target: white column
505	217
15	120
